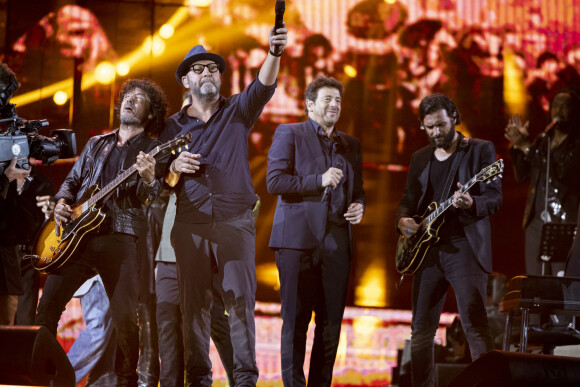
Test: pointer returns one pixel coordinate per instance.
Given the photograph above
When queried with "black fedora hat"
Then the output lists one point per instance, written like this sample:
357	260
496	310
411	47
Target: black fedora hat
195	54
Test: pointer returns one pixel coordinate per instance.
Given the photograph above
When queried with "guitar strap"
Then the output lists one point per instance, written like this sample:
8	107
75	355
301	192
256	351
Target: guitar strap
459	153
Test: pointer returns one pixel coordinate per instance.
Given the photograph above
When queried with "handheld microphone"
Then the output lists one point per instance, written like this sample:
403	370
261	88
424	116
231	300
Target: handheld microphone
552	125
279	9
328	188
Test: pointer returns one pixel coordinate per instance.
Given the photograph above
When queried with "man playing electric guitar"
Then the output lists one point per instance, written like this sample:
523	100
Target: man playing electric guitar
462	256
111	249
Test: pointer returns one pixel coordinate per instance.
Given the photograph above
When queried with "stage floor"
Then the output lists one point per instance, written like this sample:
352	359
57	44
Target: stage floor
367	351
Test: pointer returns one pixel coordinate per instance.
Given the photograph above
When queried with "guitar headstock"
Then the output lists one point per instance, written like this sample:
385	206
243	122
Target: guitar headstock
491	172
171	145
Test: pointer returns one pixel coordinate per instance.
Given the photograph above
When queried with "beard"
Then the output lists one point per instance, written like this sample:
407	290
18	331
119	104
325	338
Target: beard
445	141
208	90
129	119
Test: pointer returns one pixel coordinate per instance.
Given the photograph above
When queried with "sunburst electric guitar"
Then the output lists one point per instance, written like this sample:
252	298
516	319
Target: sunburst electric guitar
52	251
412	250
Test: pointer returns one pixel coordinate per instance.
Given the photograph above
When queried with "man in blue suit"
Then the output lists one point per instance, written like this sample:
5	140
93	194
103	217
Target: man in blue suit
317	173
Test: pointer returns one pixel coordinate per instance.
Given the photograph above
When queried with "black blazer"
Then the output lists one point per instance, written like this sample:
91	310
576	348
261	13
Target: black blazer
487	197
295	162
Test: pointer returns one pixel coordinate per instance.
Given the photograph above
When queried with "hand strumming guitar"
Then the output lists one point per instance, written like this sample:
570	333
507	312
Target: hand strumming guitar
407	226
62	214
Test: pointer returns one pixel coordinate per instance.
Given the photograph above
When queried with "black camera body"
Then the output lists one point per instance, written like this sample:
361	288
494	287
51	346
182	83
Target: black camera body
21	139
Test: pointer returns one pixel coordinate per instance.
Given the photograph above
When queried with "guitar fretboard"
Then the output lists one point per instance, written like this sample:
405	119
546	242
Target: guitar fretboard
113	184
447	203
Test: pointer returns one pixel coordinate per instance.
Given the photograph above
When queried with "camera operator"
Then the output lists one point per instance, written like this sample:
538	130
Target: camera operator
24	204
25	201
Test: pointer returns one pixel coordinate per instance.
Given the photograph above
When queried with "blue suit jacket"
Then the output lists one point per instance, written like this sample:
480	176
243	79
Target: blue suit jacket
295	162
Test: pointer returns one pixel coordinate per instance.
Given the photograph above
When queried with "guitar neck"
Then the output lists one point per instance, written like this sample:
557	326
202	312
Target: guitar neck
446	204
114	184
108	188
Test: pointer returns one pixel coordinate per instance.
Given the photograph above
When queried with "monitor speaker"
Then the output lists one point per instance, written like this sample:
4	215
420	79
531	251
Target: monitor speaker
31	355
509	369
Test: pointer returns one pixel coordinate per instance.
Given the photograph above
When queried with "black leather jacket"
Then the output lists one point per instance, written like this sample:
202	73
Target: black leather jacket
127	210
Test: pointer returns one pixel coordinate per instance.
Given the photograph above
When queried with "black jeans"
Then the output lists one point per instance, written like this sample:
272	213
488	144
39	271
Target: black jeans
313	281
169	329
217	259
456	266
114	257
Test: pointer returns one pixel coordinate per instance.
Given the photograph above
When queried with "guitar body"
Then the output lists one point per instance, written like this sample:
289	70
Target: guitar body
411	251
52	251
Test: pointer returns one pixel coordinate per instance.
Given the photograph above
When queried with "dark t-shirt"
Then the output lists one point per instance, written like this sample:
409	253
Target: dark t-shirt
438	174
111	170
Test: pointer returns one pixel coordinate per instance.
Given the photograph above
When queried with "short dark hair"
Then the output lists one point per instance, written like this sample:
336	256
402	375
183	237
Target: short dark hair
436	102
157	103
318	83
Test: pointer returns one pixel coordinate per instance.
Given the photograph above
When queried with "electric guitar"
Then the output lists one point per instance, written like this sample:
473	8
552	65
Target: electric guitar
411	250
51	251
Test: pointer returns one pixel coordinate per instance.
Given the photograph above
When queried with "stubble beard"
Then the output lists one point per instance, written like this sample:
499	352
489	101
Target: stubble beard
127	119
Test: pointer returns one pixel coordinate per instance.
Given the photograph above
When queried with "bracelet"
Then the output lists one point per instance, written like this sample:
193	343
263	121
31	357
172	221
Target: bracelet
150	184
172	168
276	55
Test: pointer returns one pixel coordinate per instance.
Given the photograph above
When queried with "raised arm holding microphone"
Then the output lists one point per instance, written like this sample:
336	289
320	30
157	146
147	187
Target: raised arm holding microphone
214	233
561	141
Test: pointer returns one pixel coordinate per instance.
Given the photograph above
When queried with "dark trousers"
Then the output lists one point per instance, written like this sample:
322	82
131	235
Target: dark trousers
313	280
27	302
217	258
23	281
456	266
169	328
114	257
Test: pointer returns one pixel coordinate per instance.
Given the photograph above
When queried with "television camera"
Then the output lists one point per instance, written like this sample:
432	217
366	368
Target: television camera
20	137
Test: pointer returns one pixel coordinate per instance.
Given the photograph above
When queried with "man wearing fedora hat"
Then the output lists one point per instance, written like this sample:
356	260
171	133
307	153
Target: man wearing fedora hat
213	234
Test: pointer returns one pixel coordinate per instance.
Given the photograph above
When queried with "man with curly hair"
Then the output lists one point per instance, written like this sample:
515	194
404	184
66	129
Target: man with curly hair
111	249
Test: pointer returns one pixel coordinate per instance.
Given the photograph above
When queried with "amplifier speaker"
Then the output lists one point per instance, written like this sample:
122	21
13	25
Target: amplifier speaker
508	369
446	372
31	355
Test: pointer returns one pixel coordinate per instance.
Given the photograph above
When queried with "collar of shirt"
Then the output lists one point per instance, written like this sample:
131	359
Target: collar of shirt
334	136
130	141
183	111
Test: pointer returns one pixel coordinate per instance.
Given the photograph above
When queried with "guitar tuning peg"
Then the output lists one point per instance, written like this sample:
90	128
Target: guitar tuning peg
172	152
179	149
187	147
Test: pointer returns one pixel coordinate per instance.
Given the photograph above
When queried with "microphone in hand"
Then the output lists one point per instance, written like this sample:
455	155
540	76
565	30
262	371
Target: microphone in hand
328	188
279	9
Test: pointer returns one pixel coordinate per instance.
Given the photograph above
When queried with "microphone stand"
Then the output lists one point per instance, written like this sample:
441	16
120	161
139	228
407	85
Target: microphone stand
546	217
